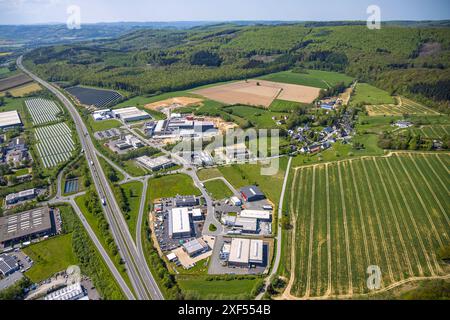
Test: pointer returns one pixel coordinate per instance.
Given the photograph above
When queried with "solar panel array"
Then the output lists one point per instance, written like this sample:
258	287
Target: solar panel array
42	111
55	144
94	97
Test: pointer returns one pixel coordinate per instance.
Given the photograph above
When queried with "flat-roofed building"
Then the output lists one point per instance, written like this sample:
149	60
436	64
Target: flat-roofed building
256	214
195	247
179	223
14	198
26	226
130	114
8	265
246	252
155	164
69	293
247	225
186	201
197	214
10	119
252	193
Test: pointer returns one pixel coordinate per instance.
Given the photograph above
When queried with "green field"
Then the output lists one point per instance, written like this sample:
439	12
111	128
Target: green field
200	288
311	78
259	118
390	212
284	106
432	132
218	189
170	186
404	106
50	256
133	193
370	95
104	125
250	174
207	174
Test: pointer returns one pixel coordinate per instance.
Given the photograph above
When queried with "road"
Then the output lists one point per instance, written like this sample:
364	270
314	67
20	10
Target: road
142	280
277	260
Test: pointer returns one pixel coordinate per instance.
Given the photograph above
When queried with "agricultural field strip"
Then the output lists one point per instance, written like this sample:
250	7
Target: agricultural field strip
382	189
55	144
42	111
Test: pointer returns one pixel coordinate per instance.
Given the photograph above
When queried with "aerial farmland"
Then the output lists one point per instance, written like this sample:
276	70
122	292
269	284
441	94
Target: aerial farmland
390	212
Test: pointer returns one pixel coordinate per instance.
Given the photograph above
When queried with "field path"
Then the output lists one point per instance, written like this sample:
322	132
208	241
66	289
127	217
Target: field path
438	237
432	192
327	187
311	236
413	220
347	241
380	227
397	226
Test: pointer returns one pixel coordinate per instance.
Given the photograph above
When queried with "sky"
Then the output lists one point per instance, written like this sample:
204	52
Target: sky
92	11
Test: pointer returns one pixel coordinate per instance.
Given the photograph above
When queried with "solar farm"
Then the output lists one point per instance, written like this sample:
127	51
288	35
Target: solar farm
54	144
94	97
390	212
42	111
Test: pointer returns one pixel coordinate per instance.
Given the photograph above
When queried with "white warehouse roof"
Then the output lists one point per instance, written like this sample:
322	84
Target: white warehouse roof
256	251
255	214
9	118
239	252
180	220
130	113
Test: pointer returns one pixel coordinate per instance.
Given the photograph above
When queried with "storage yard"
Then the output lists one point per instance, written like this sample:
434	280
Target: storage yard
42	111
54	144
259	93
94	97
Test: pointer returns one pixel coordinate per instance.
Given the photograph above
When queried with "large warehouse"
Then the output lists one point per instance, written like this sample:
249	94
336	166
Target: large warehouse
252	193
245	252
179	223
130	114
25	226
9	119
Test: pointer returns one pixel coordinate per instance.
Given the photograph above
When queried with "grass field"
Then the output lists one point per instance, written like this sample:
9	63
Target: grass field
104	125
218	189
370	95
390	212
250	174
201	288
404	106
258	117
206	174
311	78
284	106
133	193
21	91
50	256
170	186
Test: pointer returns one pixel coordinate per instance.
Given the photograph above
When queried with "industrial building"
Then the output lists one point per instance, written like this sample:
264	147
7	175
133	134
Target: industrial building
8	265
26	226
69	293
130	114
155	164
101	115
195	247
10	119
252	193
186	201
182	127
245	253
247	225
256	214
14	198
179	223
133	141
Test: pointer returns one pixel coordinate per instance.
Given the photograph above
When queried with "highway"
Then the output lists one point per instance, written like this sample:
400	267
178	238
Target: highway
140	276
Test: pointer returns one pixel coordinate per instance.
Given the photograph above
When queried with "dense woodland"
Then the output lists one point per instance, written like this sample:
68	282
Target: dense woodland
406	60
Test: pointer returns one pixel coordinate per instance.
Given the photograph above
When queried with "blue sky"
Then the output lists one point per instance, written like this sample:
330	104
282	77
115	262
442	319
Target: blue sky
42	11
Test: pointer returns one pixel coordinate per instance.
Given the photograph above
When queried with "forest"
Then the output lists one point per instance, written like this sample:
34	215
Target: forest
406	60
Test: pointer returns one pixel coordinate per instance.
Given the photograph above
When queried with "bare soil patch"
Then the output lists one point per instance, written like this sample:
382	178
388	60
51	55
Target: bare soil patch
175	102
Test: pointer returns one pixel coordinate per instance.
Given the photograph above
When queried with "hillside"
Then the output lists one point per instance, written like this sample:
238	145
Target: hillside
407	60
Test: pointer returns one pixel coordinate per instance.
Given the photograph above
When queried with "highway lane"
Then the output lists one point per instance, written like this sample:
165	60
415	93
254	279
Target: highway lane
140	276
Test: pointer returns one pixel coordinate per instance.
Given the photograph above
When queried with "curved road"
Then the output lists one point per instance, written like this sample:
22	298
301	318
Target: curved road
137	268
